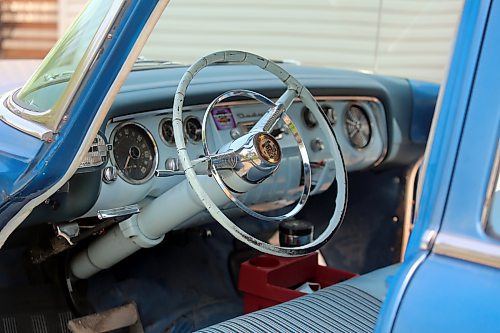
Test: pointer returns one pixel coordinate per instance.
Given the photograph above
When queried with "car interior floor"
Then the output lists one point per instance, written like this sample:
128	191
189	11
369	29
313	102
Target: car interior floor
165	281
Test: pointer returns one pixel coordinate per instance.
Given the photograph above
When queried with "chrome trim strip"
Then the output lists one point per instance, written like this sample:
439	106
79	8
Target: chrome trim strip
96	124
74	84
117	212
428	239
409	204
14	120
200	107
460	247
495	174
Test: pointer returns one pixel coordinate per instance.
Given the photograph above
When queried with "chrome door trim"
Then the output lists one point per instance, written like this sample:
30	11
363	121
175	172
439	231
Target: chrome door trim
490	192
409	204
14	120
464	248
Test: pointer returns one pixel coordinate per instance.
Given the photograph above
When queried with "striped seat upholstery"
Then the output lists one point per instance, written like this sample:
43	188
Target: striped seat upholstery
350	306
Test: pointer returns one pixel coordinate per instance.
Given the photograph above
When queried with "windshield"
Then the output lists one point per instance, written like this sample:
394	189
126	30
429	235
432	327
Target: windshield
41	92
410	39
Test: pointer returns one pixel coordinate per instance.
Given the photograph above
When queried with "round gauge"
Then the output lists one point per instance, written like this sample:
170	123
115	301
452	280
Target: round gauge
309	118
134	153
167	131
192	128
329	113
357	126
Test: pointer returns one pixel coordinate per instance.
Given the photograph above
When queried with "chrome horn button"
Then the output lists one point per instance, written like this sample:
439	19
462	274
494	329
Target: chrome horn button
268	148
257	157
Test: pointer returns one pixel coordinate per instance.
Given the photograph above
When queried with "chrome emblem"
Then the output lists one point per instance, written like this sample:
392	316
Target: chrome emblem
268	148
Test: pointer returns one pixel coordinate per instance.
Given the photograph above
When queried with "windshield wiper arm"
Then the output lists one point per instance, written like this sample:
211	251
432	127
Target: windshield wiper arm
57	76
144	61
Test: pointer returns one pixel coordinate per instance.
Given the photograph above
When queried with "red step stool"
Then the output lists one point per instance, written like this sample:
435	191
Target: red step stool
268	280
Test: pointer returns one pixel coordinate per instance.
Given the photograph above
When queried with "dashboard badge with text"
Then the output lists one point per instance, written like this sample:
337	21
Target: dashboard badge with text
223	118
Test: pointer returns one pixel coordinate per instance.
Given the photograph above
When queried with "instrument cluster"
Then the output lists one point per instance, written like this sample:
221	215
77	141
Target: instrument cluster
143	143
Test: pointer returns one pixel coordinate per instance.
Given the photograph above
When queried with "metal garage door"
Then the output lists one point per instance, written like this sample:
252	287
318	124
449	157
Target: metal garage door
28	28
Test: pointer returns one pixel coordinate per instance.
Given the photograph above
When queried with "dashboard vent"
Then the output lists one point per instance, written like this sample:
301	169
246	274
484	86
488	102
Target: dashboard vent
192	129
97	154
357	126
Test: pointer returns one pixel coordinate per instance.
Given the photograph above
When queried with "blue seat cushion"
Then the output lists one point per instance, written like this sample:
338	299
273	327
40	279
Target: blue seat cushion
350	306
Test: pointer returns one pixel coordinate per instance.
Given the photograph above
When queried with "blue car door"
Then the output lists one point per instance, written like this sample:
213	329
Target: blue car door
449	281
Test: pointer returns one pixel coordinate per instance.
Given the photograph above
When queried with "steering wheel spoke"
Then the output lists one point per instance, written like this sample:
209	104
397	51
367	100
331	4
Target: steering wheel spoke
267	122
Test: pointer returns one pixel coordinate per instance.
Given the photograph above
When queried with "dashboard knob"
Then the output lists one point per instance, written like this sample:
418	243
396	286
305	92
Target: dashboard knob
235	133
317	145
172	164
109	175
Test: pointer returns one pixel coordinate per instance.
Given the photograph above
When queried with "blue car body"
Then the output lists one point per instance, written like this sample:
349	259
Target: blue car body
442	290
449	280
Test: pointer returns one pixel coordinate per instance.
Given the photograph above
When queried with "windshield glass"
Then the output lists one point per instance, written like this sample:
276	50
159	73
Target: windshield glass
410	39
41	92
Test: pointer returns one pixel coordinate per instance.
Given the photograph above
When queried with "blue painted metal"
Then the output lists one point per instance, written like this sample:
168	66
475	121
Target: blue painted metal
16	153
445	294
450	296
448	127
424	96
50	161
428	288
480	138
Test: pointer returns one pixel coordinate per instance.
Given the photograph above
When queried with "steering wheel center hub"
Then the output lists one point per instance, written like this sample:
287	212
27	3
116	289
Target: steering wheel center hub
268	148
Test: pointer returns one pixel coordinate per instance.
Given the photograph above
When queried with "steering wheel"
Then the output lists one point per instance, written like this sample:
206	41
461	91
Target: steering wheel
250	159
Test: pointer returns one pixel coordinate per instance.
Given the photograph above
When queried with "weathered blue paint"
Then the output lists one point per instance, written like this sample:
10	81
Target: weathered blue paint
50	161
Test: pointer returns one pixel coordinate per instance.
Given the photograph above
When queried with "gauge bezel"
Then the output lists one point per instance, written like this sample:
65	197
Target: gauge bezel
155	159
306	122
160	131
346	132
186	135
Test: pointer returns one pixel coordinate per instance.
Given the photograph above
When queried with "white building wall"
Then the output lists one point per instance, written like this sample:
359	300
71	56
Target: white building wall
409	38
416	37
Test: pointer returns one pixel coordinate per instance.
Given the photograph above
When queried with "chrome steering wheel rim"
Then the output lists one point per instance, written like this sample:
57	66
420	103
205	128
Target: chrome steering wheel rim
192	178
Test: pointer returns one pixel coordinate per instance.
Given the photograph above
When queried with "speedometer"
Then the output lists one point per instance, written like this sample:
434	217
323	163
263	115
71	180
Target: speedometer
134	153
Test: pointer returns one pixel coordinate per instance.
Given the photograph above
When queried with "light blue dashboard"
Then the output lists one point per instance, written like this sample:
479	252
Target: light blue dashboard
285	186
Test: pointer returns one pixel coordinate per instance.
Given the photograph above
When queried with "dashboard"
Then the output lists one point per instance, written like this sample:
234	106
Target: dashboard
143	142
371	117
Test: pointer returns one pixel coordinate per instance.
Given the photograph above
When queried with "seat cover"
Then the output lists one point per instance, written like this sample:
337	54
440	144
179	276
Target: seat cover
350	306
